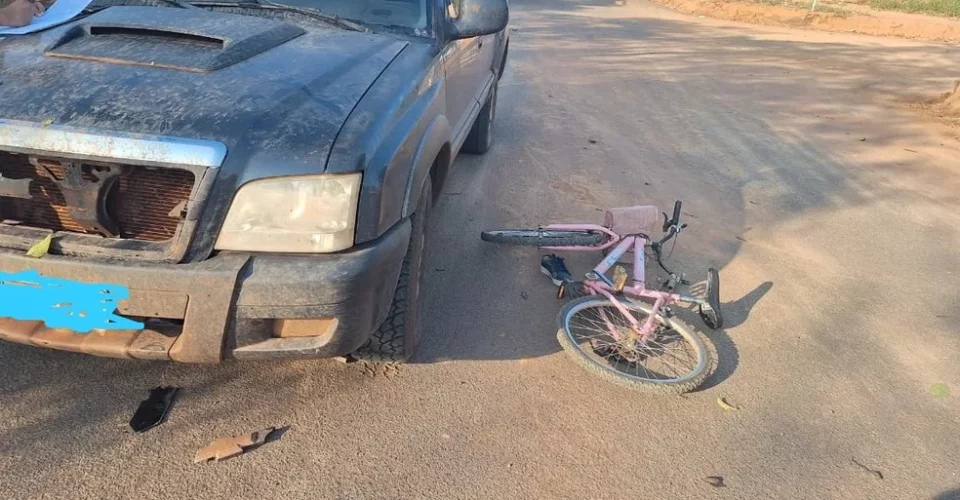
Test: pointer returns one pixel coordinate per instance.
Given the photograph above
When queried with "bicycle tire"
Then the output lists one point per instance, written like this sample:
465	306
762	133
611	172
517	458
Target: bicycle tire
682	385
543	238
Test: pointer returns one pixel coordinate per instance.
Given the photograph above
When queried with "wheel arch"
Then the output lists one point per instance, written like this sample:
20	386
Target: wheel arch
431	162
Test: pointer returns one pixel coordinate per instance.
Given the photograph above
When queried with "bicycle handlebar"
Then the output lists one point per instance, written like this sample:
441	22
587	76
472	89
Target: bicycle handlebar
671	226
668	223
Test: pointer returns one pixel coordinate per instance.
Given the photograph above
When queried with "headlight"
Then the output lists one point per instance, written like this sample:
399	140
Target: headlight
312	214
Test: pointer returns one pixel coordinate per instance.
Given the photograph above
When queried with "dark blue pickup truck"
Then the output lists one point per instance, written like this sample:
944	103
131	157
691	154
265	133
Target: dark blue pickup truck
257	174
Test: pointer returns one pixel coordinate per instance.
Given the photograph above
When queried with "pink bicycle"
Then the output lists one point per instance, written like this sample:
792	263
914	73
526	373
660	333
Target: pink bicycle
610	330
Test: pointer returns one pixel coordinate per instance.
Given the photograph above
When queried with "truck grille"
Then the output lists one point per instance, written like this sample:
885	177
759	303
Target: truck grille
145	203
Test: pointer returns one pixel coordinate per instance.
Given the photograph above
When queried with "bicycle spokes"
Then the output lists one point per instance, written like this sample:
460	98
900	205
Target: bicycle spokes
616	342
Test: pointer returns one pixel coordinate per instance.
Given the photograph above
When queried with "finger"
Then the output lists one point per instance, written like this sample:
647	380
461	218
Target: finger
38	9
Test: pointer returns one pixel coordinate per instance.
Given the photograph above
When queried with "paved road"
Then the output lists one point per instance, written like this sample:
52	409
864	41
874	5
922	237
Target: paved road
830	207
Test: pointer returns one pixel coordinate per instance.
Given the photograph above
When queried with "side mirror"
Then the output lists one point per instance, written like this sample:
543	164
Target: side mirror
470	18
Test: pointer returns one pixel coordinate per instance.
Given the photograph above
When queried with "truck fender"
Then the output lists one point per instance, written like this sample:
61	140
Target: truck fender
436	138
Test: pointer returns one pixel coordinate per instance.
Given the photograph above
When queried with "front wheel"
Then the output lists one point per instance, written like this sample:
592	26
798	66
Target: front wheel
397	338
676	360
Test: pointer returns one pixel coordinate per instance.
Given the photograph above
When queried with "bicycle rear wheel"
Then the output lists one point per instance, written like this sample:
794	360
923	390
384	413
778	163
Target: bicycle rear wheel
675	361
543	238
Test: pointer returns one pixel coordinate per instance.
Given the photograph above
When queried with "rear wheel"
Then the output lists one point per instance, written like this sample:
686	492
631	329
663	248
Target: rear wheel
398	336
676	360
481	135
543	238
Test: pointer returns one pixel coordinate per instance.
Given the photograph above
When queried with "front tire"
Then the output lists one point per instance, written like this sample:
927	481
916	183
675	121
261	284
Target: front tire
583	335
481	135
396	339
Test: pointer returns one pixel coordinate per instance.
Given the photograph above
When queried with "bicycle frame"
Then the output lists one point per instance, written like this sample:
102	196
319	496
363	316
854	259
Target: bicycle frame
622	244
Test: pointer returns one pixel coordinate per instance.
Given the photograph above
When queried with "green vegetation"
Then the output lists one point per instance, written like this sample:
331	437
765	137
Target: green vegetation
805	5
948	8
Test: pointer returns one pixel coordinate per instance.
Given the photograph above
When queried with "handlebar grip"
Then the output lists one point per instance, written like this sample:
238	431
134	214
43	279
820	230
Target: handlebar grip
676	213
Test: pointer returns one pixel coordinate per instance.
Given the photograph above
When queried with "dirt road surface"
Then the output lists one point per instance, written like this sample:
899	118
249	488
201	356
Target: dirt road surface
832	211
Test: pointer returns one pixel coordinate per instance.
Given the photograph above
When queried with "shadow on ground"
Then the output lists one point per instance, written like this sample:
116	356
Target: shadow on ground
948	495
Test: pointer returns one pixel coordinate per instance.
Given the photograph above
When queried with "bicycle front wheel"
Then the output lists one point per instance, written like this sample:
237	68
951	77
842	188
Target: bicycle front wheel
543	238
676	360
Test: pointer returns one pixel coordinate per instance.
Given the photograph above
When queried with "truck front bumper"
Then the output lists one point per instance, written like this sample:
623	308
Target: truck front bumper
232	305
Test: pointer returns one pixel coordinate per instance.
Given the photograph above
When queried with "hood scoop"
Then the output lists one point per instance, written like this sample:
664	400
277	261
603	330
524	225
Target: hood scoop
183	39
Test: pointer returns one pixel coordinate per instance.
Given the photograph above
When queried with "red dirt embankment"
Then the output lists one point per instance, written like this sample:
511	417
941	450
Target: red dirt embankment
863	20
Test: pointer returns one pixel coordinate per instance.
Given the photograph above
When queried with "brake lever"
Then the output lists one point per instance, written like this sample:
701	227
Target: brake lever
667	223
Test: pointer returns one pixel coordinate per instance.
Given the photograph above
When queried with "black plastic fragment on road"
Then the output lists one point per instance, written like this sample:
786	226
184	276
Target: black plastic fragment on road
877	474
715	481
153	410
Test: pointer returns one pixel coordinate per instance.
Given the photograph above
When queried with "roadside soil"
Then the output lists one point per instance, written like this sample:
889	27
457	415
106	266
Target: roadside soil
946	105
841	17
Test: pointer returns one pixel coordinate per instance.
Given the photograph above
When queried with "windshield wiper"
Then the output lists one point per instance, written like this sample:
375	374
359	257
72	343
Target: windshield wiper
268	4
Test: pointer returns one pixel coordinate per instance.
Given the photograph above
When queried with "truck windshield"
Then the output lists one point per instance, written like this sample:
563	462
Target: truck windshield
403	13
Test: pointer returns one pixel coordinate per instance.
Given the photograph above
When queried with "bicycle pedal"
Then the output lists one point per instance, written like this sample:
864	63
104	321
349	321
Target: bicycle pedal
619	278
570	290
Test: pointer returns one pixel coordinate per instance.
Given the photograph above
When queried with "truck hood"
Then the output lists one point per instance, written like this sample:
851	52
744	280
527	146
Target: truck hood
263	88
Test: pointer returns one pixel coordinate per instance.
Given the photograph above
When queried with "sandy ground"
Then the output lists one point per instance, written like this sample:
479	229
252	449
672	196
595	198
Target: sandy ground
945	106
843	18
832	211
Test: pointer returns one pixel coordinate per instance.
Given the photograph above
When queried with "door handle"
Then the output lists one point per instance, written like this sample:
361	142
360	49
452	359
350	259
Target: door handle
479	42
